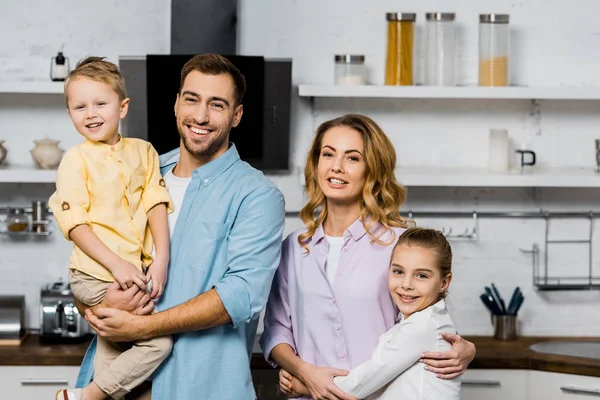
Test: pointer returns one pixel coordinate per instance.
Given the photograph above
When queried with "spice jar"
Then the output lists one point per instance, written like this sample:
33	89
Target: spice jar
440	56
16	220
350	69
494	49
399	62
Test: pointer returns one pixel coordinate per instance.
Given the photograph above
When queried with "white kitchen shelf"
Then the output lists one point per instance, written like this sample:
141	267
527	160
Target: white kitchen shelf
408	176
27	175
467	177
32	87
451	92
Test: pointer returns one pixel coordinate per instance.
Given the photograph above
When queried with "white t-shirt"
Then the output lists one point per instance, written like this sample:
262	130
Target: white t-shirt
333	258
176	187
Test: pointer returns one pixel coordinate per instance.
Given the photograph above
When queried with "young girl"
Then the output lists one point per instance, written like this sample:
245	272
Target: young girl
419	277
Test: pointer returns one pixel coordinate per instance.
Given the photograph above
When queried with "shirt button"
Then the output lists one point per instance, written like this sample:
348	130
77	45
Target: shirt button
333	300
339	273
342	355
206	181
345	248
337	327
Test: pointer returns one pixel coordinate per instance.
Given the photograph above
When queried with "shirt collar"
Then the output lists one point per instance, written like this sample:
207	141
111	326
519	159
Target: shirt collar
106	147
208	172
356	231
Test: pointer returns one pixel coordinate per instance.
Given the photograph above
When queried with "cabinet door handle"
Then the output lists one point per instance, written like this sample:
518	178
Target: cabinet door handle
577	390
481	382
58	381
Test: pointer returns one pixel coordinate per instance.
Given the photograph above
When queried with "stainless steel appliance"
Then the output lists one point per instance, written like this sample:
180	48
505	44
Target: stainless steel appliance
12	317
59	318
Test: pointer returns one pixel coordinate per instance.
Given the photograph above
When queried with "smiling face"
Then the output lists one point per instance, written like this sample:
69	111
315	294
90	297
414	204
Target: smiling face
206	112
415	281
95	109
341	168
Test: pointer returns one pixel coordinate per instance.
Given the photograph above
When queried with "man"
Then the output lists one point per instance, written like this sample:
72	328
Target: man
226	234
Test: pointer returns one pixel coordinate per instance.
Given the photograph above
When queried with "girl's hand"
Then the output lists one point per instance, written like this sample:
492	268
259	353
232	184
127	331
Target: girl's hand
287	383
453	363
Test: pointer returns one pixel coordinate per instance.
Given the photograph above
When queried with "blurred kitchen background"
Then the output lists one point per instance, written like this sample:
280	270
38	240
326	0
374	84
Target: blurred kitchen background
526	226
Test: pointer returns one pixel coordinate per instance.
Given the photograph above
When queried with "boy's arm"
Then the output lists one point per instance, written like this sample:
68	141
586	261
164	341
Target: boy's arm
124	272
159	227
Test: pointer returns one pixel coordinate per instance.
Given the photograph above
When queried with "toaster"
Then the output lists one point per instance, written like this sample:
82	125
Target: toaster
12	317
59	318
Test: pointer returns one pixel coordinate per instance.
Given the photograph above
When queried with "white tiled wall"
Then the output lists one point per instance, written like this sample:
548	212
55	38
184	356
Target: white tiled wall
438	132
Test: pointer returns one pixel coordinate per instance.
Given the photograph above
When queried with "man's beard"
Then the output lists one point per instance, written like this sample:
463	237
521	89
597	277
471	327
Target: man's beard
209	148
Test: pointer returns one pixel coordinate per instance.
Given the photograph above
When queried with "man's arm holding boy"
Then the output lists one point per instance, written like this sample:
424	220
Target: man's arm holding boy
253	256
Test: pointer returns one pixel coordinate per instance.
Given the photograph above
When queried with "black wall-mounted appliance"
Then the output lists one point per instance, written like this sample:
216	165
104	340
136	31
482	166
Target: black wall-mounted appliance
263	135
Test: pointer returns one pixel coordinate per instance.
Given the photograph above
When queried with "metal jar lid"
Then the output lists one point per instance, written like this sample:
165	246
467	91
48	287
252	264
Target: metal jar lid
400	16
494	18
438	16
349	58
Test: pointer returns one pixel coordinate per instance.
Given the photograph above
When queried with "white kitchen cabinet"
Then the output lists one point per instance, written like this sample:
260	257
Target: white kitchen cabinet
35	382
494	384
555	386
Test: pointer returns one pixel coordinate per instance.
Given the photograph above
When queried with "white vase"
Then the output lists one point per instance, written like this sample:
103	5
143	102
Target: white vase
47	154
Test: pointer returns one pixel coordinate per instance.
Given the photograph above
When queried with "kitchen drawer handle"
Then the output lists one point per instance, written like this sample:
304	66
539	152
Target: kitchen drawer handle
58	381
576	390
481	382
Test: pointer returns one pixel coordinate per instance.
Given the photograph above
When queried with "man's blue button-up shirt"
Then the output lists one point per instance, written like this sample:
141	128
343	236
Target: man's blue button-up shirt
227	237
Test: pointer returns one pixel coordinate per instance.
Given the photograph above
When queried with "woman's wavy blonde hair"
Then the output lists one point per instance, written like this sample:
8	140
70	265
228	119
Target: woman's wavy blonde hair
382	195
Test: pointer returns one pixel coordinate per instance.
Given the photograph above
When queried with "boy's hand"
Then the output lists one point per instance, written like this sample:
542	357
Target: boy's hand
157	273
128	275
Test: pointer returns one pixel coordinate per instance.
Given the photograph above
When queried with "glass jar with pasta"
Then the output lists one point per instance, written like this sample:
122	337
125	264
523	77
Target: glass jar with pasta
494	49
399	61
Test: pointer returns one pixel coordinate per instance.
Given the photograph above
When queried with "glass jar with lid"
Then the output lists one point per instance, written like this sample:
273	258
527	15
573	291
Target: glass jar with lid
494	49
400	43
440	56
350	69
16	220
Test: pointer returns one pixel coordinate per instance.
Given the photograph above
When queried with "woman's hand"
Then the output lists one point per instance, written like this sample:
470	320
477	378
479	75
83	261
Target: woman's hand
319	382
450	364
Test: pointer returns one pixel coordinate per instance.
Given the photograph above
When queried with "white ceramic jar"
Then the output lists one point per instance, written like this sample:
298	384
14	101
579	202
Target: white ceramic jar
47	154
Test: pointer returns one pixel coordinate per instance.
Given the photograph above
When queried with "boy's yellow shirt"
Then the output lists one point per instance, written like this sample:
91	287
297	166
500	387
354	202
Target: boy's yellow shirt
111	189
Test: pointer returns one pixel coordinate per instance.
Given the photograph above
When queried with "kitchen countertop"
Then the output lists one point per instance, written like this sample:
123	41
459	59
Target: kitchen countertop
491	354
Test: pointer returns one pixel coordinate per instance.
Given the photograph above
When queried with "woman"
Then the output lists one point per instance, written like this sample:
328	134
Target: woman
329	301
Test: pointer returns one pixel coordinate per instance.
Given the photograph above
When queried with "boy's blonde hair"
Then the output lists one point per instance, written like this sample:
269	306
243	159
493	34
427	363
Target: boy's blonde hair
99	70
432	240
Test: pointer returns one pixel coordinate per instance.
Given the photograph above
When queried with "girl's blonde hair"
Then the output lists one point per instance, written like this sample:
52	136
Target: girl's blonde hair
382	195
433	240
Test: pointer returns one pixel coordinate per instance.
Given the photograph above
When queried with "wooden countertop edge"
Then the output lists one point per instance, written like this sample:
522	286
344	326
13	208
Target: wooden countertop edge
491	354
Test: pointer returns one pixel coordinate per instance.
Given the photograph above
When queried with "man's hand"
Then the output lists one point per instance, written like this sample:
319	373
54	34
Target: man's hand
158	275
116	325
128	275
133	300
450	364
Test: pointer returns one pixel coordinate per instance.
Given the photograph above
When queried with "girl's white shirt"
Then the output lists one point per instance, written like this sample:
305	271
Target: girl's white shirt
394	370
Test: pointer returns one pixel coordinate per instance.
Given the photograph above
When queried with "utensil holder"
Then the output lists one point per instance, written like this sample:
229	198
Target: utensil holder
505	327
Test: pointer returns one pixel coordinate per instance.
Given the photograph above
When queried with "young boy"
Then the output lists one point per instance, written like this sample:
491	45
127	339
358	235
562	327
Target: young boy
112	203
419	277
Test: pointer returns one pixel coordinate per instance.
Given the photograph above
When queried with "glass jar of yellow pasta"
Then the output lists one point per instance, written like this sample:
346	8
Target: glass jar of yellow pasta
494	50
400	43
